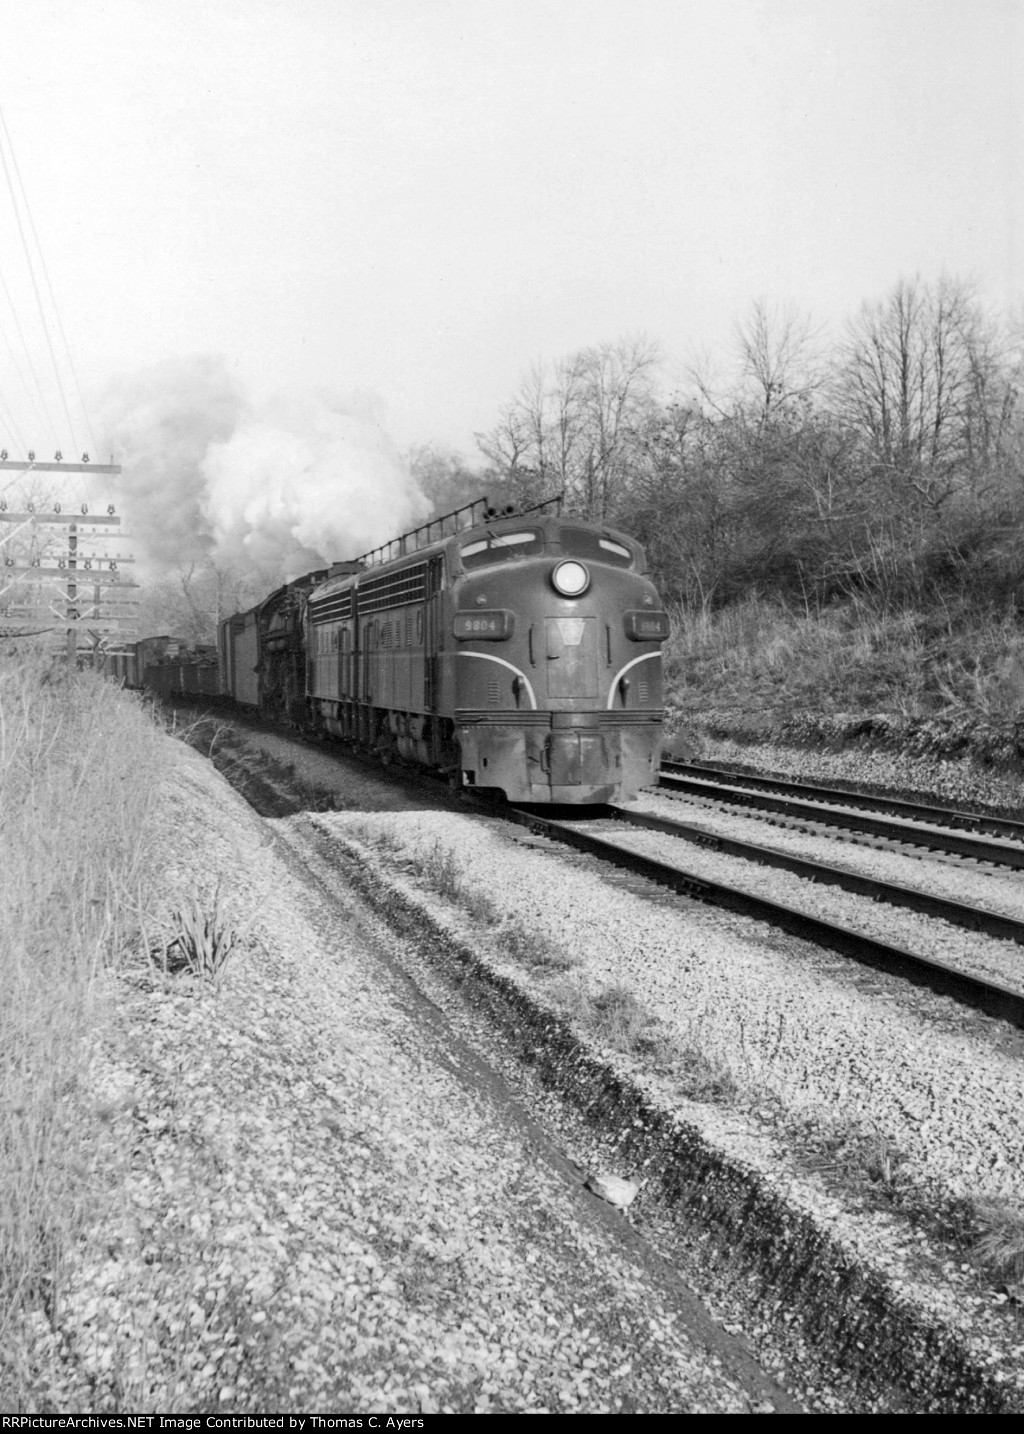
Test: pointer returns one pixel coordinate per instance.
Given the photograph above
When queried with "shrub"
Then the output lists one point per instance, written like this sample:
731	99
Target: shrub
1000	1242
440	869
532	948
201	940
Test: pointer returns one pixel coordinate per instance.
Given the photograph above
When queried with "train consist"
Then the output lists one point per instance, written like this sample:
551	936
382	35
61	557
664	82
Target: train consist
517	651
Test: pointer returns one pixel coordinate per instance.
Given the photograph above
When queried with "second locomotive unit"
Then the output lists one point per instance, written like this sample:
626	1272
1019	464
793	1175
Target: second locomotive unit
521	653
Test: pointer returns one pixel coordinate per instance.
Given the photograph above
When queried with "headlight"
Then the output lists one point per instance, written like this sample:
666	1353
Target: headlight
570	579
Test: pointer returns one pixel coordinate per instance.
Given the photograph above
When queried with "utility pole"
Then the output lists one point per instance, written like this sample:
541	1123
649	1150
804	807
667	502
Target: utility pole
109	610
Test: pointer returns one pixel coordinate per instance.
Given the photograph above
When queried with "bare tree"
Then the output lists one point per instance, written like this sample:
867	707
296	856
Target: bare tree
908	382
579	426
190	601
779	355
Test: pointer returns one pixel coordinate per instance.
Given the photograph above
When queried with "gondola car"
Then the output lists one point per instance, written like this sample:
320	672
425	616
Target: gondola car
128	663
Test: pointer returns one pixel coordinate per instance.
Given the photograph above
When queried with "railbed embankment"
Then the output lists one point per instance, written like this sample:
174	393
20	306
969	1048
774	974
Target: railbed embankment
315	1200
299	1155
963	762
905	1324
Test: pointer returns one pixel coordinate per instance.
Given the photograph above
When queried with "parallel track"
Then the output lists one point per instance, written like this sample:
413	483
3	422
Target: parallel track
988	996
958	913
915	826
989	823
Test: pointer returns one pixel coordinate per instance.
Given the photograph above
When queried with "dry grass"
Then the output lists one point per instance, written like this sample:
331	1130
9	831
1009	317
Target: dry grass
440	869
853	657
200	940
532	948
80	766
999	1245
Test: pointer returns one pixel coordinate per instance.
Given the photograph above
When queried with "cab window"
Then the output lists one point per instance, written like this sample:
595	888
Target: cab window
499	547
584	543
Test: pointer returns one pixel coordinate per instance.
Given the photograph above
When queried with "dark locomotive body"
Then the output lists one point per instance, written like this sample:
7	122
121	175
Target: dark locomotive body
519	653
522	654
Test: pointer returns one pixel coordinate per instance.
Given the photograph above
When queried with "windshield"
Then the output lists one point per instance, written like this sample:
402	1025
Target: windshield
585	543
497	547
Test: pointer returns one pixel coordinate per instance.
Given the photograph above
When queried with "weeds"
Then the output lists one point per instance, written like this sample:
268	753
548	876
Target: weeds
700	1077
439	867
858	656
80	766
201	941
618	1018
859	1153
532	948
999	1245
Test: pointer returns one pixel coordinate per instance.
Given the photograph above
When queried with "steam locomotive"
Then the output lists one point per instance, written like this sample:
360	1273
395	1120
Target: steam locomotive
515	651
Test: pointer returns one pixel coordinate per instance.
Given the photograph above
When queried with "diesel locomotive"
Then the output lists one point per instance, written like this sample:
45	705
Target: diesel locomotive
513	651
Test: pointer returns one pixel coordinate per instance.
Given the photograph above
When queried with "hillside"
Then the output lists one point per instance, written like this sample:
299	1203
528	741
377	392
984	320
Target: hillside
937	686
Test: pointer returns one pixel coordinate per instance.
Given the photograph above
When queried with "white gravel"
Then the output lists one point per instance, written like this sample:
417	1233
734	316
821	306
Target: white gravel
961	781
998	889
969	951
950	1101
323	1206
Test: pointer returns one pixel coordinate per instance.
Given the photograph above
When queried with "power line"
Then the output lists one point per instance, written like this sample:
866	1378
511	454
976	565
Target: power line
49	284
41	405
35	289
11	427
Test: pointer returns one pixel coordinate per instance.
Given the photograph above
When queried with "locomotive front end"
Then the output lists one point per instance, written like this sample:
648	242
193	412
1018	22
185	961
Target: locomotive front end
558	683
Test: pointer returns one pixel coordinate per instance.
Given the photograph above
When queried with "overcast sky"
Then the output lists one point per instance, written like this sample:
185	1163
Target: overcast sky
416	199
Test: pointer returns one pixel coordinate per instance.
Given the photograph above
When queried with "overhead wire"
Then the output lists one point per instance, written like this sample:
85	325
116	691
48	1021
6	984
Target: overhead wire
23	212
37	399
10	426
49	285
35	287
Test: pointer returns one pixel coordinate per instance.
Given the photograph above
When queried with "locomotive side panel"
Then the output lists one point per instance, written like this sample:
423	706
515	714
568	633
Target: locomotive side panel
331	677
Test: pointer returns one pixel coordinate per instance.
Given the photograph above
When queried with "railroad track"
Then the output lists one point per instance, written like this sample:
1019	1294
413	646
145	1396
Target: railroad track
982	994
985	995
994	840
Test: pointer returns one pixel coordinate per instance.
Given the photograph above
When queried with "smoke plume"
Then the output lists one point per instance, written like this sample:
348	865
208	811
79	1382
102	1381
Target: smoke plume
278	492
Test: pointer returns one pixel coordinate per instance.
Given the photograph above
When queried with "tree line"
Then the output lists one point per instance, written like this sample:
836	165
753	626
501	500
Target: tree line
886	461
889	460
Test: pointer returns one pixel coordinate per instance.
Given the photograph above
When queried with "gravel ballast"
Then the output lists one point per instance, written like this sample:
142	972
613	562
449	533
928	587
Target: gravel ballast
969	951
332	1205
998	889
952	1104
328	1206
942	1105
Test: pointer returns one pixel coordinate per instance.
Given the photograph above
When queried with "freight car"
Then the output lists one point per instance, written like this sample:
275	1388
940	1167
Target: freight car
519	652
193	670
128	665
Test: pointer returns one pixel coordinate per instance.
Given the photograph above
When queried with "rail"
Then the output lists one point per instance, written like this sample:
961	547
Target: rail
920	832
990	997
